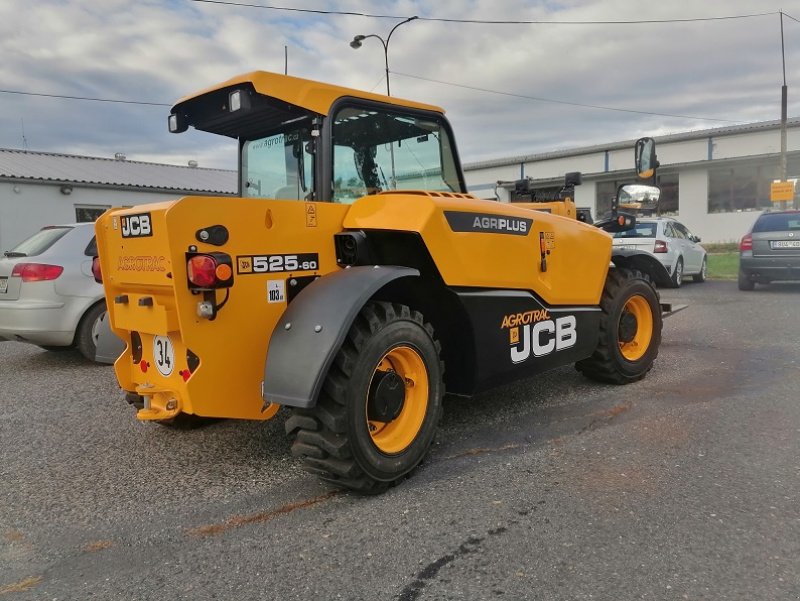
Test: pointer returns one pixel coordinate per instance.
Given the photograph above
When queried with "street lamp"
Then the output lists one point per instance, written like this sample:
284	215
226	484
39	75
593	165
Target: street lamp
356	44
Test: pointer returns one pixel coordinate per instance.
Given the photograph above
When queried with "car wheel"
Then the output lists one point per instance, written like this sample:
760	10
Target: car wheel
677	275
701	277
89	330
745	283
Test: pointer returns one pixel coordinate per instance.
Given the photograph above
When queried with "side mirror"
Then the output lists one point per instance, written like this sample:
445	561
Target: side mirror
696	239
645	157
638	197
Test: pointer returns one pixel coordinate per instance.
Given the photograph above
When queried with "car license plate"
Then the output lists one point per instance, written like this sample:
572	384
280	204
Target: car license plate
3	285
785	244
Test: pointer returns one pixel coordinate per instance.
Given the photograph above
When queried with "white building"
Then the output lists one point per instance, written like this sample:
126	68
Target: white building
40	188
716	181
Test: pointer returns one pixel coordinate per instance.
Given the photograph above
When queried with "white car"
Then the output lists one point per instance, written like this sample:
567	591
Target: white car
671	243
48	295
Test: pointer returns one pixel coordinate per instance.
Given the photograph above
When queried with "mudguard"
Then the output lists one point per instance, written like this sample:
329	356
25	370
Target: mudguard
312	329
644	262
109	345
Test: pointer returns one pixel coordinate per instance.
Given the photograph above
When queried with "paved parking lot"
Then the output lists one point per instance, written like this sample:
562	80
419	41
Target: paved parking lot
682	486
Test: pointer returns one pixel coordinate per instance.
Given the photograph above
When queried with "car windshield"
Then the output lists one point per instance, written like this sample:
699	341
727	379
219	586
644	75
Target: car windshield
777	222
642	230
39	242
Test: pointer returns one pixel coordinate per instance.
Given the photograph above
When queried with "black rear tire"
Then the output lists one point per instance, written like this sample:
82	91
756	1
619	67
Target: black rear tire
630	329
745	283
701	277
359	436
677	275
89	329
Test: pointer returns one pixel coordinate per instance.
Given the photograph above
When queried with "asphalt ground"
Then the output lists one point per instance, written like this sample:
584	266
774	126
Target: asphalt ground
682	486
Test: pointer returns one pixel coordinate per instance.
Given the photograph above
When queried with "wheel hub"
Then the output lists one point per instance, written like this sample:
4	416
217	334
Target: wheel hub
628	326
387	394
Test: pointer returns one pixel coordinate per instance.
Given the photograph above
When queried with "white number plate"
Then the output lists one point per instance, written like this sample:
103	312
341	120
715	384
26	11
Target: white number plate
163	355
3	285
785	244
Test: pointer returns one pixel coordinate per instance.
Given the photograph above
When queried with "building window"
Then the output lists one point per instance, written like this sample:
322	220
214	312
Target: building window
89	213
740	188
668	201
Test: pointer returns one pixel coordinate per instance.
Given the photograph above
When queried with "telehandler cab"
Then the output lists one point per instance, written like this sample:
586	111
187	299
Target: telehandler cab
354	281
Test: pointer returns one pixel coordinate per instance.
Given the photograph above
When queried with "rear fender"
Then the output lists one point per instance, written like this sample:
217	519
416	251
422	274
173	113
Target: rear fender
312	329
644	262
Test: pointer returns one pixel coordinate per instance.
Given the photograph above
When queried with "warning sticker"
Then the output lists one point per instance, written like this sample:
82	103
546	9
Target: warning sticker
276	291
311	215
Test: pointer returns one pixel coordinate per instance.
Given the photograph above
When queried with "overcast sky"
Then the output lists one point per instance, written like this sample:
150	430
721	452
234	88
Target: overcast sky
509	89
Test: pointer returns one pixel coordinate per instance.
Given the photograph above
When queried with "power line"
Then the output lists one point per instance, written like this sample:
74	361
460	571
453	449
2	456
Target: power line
83	98
554	101
485	21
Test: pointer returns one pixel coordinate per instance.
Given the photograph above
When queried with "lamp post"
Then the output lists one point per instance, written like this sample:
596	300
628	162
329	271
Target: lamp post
356	44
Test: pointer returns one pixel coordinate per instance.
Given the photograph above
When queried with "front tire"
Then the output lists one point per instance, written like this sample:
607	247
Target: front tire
380	404
630	329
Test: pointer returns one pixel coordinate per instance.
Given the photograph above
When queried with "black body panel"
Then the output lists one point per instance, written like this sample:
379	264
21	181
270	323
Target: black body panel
517	336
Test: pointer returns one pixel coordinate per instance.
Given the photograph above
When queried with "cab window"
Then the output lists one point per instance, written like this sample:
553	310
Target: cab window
375	151
279	166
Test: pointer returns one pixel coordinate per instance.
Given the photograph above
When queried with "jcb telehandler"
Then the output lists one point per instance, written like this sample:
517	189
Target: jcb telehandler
355	281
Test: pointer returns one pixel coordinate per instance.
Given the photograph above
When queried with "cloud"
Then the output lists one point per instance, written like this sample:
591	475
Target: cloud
158	51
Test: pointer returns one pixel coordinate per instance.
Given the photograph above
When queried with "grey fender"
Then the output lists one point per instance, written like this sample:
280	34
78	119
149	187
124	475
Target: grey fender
644	262
312	329
109	345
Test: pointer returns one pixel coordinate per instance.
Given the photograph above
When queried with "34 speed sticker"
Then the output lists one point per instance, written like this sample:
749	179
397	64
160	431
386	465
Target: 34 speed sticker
276	263
164	355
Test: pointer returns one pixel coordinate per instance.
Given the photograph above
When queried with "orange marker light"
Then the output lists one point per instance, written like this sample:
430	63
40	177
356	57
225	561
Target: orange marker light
224	272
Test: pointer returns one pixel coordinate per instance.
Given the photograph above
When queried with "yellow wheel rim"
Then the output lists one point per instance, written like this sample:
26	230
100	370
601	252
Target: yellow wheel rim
396	435
635	348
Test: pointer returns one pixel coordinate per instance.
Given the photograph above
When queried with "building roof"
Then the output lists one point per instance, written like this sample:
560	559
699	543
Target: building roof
118	173
731	130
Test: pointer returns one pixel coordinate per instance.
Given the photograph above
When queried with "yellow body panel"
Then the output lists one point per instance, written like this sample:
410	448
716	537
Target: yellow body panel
232	348
311	95
564	208
577	255
149	273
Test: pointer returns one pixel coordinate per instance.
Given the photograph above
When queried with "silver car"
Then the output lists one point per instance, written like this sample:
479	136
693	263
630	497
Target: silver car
48	295
771	250
671	243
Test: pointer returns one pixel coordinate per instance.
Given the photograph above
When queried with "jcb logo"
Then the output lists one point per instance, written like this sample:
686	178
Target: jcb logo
543	337
136	226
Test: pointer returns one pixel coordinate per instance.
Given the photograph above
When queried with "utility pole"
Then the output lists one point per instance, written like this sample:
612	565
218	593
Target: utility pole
784	103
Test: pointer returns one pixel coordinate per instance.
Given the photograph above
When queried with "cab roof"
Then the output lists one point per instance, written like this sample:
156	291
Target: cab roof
307	94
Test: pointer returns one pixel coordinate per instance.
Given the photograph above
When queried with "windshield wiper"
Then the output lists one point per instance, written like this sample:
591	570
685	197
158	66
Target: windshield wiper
13	253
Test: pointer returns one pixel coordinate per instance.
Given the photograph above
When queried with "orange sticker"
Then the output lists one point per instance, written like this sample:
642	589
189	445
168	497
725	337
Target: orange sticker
311	215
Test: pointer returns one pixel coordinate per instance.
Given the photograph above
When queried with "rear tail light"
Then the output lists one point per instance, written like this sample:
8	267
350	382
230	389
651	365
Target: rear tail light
661	247
746	243
207	271
36	272
98	275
